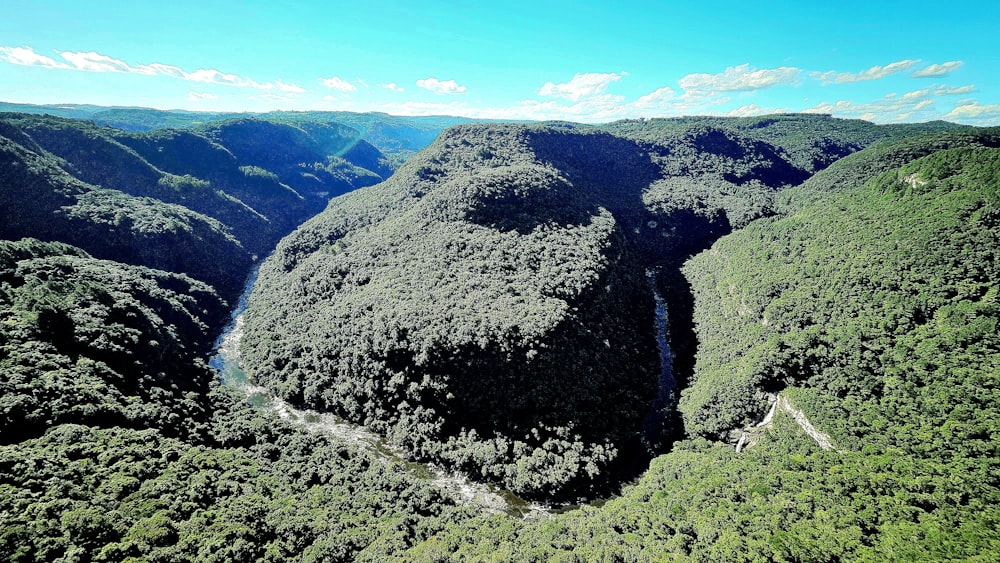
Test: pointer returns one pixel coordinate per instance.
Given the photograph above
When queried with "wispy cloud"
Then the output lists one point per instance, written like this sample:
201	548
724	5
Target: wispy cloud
951	91
200	96
750	110
937	69
90	61
441	87
588	96
212	76
275	97
654	103
874	73
740	78
664	102
664	93
337	83
96	62
290	88
431	108
580	86
917	105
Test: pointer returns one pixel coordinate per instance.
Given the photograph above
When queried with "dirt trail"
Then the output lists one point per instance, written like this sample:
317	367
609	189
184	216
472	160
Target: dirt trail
820	437
750	436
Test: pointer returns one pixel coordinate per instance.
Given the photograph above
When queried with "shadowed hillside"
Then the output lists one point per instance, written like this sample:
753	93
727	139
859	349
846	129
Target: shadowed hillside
175	200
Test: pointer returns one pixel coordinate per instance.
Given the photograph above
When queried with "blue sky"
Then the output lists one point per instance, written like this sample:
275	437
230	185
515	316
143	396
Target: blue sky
884	61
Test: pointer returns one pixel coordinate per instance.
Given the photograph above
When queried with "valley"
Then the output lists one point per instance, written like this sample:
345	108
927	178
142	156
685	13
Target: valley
450	325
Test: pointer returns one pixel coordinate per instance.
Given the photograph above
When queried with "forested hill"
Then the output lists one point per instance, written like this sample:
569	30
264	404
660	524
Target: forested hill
118	444
490	306
121	257
204	202
397	137
872	311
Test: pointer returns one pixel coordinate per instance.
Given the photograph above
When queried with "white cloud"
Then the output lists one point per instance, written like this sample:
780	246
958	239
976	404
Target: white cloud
338	83
275	97
96	62
937	69
290	88
749	110
874	73
596	109
740	78
167	70
581	86
427	108
392	86
658	103
441	87
951	91
911	106
89	61
657	95
26	56
212	76
916	94
200	96
975	113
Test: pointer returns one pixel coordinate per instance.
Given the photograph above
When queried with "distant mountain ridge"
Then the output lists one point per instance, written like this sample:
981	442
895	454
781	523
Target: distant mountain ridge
398	137
205	201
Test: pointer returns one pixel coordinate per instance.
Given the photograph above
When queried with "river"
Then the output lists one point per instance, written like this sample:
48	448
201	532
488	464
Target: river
459	487
653	426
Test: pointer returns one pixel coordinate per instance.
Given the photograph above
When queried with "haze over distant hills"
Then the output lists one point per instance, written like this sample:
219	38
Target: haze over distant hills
398	137
757	339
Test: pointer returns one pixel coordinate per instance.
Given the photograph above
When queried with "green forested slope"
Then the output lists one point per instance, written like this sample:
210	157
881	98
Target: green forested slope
40	199
396	137
855	169
783	500
828	294
875	312
119	494
116	442
92	155
731	170
275	207
95	341
175	200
